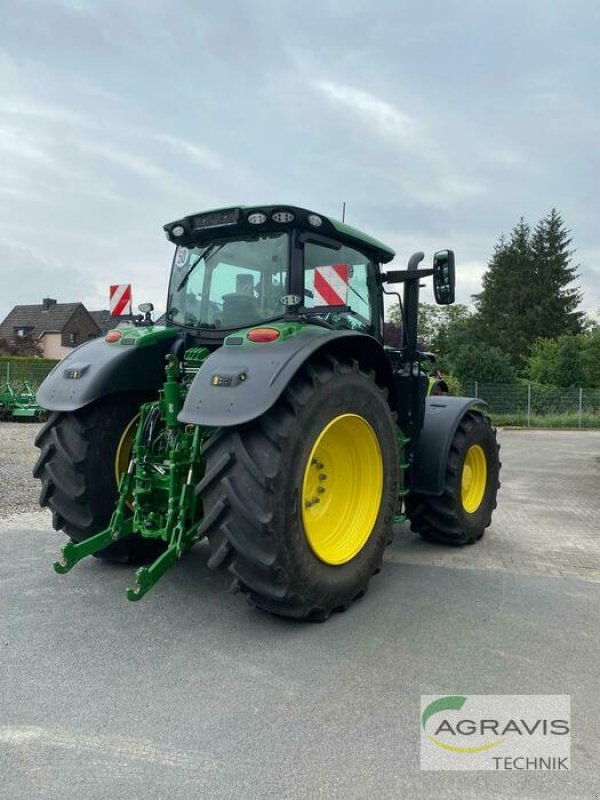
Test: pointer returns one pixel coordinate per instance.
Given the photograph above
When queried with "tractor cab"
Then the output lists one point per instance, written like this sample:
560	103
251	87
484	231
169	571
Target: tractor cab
242	267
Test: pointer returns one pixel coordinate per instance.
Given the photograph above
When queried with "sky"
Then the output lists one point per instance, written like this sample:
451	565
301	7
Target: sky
439	124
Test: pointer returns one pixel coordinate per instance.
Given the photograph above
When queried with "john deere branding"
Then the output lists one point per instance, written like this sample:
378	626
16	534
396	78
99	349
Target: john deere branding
495	732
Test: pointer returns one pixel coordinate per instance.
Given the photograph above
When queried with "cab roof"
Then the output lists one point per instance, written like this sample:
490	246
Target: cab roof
196	228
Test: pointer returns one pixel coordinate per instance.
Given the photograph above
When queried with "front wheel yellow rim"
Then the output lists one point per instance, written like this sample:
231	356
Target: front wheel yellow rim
124	448
342	489
474	478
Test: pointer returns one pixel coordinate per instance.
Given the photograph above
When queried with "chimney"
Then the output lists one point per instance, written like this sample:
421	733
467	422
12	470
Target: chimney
47	302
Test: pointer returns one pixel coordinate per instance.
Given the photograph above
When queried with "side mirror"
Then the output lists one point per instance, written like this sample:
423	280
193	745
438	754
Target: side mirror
444	278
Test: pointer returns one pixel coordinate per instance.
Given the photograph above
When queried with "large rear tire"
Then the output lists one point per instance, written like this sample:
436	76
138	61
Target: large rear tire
77	467
299	504
463	511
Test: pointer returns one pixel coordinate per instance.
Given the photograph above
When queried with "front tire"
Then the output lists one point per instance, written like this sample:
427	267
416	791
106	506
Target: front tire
294	549
463	511
77	467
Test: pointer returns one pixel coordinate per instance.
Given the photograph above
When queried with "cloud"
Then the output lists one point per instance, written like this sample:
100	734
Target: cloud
508	157
422	167
139	165
21	145
383	117
200	155
113	121
21	107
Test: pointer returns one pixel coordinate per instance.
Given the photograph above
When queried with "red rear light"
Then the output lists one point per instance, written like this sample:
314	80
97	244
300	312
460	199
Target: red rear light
263	335
113	336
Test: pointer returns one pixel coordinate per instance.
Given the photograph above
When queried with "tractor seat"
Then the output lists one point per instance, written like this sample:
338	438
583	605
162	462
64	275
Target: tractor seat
239	309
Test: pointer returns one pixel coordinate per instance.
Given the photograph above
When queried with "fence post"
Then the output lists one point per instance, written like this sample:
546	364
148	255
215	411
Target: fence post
528	405
8	371
476	390
580	405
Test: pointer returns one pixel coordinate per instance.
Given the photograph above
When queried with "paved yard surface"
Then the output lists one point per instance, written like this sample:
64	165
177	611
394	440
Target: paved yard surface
191	694
547	521
548	516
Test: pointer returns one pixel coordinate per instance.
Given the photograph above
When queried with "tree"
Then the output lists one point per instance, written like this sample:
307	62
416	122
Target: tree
457	328
428	325
541	364
442	330
569	370
21	346
392	327
557	297
567	360
484	364
590	357
527	290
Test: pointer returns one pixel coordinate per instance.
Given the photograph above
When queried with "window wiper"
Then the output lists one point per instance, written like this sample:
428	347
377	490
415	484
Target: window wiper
360	297
210	249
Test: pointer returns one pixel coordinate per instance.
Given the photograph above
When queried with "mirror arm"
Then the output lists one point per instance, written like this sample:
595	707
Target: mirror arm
403	275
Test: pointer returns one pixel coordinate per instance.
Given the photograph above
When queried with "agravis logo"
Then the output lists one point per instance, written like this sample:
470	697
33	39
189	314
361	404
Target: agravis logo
453	703
465	732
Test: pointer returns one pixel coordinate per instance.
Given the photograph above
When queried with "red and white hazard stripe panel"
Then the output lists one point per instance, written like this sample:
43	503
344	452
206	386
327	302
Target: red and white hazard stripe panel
331	285
120	299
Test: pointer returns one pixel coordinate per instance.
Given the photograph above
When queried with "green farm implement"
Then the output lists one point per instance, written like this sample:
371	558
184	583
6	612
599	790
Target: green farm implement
266	418
19	402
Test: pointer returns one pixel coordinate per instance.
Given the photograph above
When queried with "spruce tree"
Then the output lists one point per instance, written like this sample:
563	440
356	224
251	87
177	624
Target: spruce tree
505	306
558	298
528	289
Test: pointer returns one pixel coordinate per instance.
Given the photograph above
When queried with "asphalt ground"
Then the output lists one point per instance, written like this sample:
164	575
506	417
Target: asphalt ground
192	694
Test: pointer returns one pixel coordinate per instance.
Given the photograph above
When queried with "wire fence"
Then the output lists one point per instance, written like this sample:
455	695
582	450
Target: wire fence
534	405
528	404
16	372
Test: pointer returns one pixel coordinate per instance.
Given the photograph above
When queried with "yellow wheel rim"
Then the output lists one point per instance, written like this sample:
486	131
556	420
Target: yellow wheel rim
474	478
342	489
124	448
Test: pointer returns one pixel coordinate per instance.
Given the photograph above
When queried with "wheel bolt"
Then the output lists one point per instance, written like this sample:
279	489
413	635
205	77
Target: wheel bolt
315	500
322	476
320	489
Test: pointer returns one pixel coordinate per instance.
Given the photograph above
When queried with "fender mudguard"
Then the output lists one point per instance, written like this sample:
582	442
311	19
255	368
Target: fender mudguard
442	418
97	368
240	382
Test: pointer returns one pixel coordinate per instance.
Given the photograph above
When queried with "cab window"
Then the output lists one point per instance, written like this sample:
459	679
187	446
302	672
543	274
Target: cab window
340	276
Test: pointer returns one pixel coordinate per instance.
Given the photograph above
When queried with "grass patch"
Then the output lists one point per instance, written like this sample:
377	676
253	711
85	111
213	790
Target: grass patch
547	420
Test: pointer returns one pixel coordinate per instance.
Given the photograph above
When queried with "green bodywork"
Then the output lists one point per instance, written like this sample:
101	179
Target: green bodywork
286	331
142	336
159	483
370	241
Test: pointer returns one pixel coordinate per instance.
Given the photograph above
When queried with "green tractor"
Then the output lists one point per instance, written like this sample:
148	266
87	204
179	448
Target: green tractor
267	417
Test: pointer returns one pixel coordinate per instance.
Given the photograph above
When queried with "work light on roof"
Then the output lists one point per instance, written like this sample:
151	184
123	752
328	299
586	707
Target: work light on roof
315	220
282	216
257	218
177	230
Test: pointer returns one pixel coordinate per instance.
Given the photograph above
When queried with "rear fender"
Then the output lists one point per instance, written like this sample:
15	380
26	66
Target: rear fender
442	418
239	383
97	368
